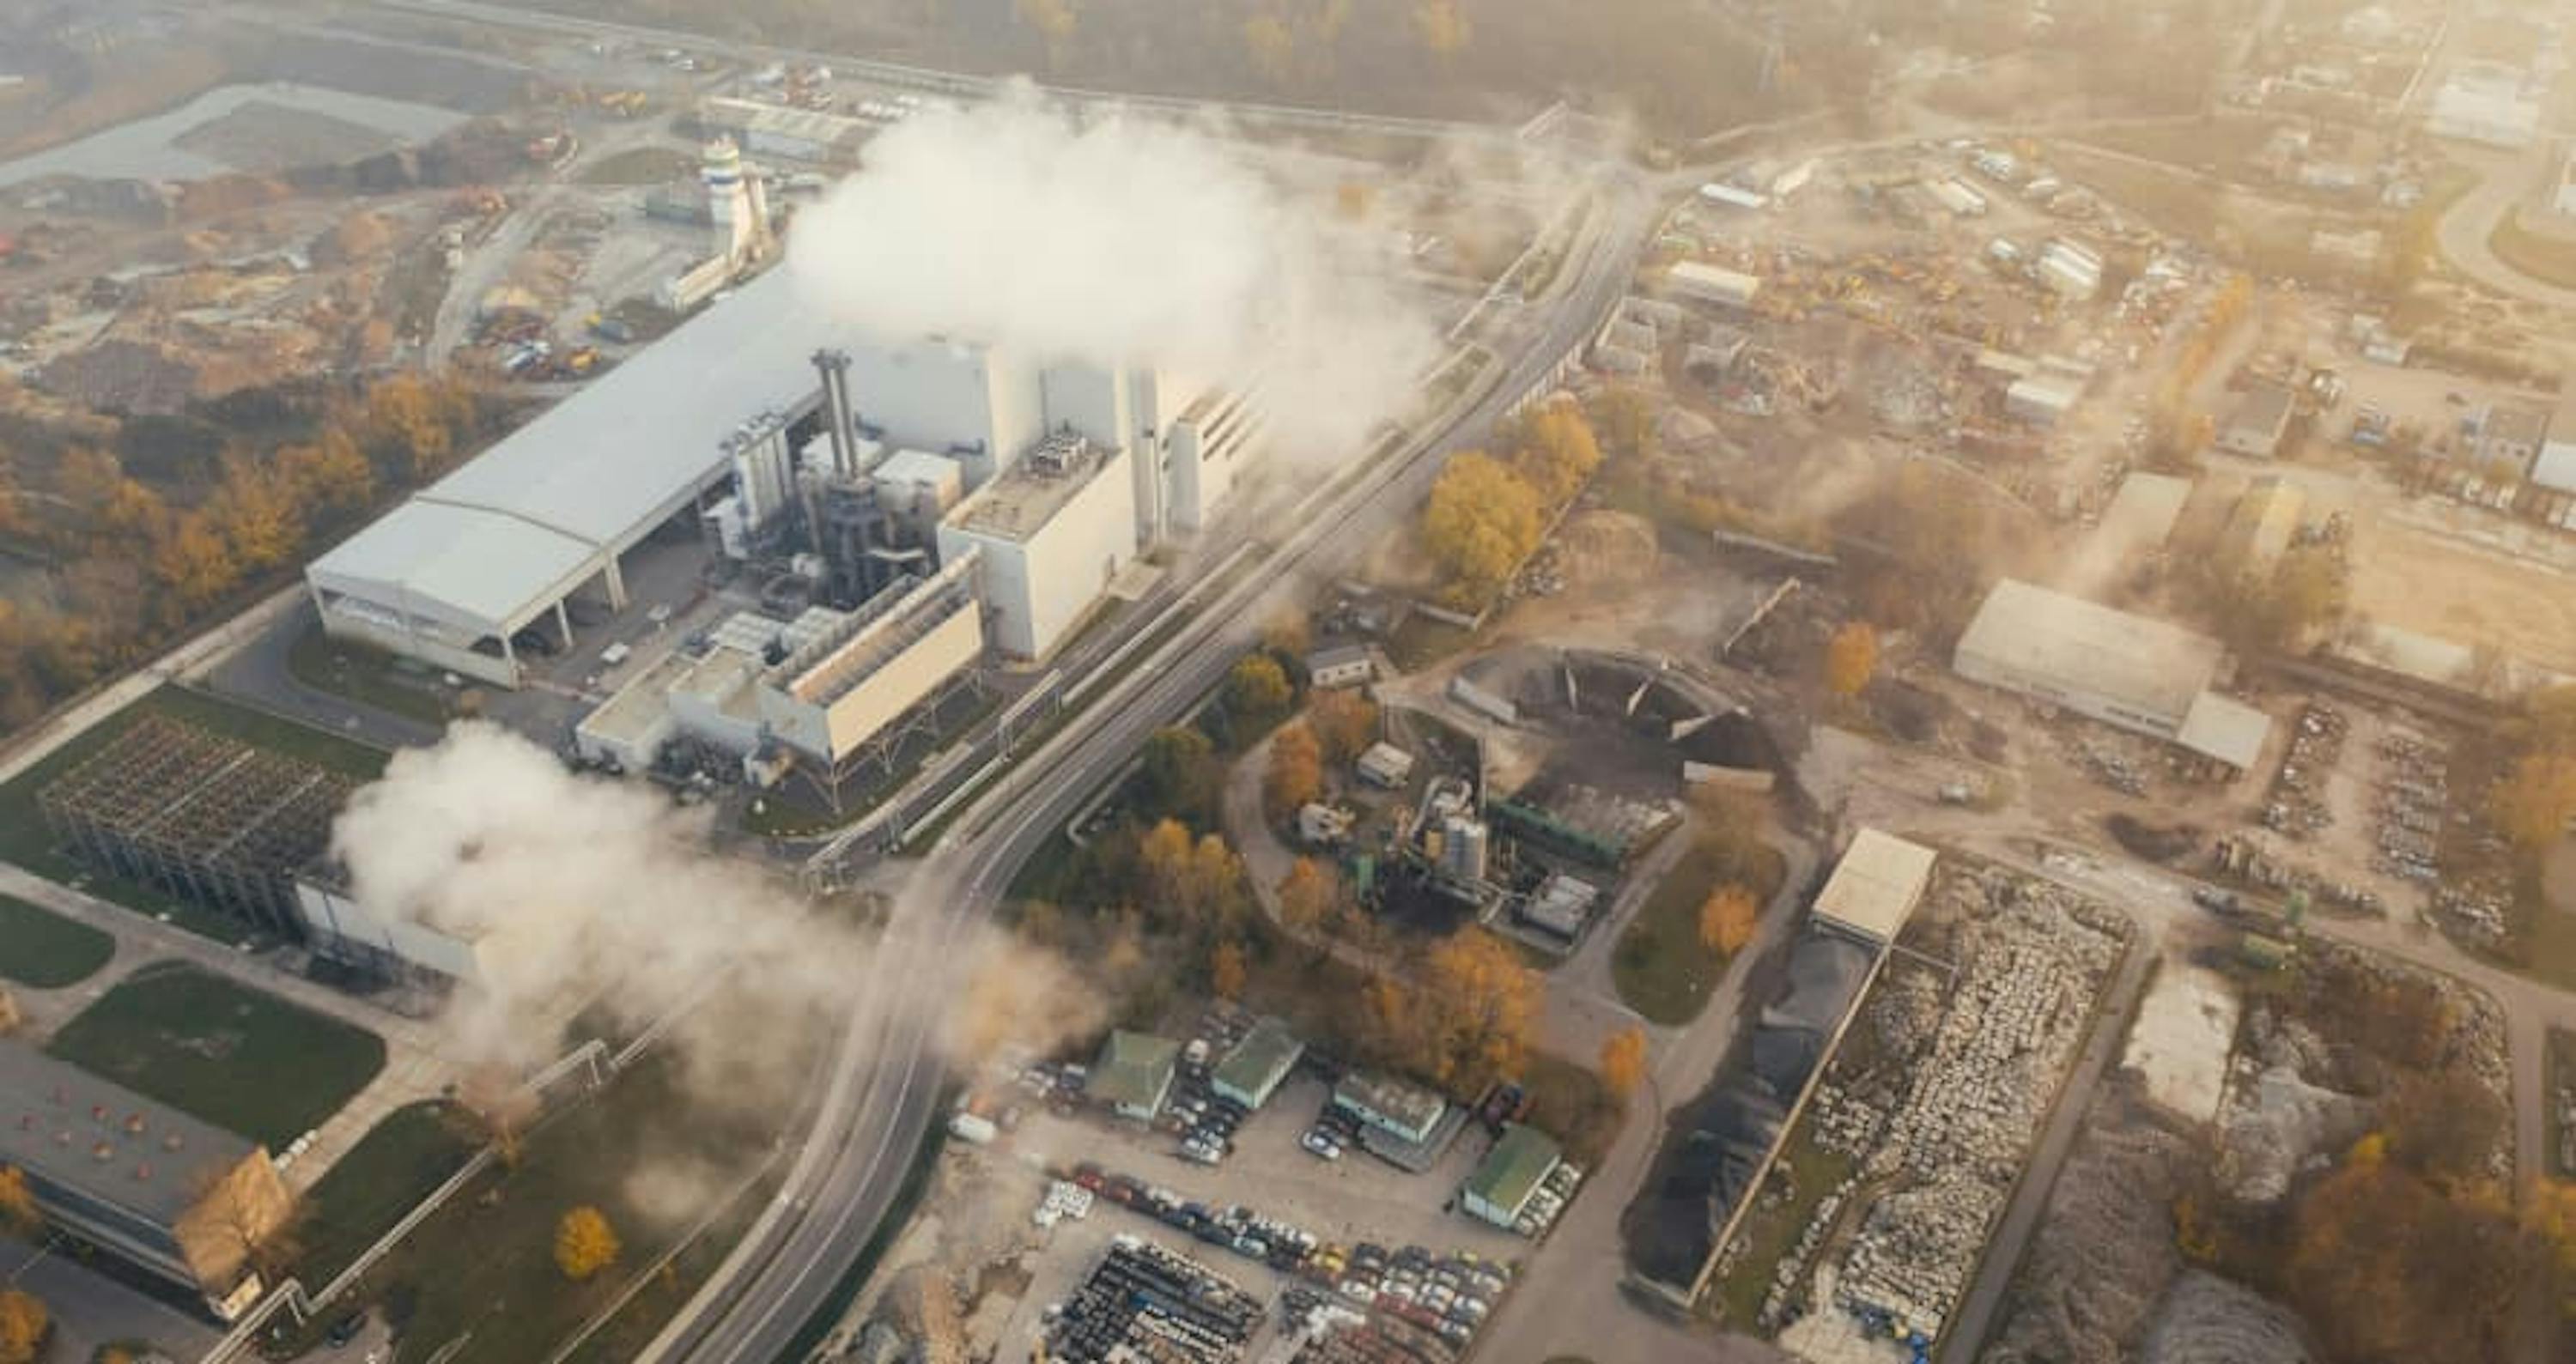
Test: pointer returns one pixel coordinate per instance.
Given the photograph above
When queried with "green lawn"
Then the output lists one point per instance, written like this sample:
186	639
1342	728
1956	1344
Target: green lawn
247	1062
365	675
483	1267
41	948
1661	967
1769	1232
412	1151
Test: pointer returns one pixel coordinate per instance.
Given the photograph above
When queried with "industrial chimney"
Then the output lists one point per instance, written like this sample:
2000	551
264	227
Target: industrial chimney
834	367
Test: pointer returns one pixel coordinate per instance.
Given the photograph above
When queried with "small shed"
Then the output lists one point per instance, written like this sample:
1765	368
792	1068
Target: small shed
1258	1065
1386	765
1134	1073
1343	665
1511	1174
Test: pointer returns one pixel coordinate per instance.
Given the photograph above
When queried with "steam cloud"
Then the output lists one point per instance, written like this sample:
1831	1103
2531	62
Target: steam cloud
581	891
1123	241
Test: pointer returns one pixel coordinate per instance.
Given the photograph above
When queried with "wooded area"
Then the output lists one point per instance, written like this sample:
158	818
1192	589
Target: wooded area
148	526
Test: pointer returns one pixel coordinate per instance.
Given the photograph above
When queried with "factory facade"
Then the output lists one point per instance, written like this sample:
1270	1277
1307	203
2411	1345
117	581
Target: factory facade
161	1192
781	432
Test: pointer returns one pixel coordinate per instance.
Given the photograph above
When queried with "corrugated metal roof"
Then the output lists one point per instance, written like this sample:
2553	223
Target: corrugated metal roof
2225	729
501	532
1512	1170
2139	663
1875	886
1133	1069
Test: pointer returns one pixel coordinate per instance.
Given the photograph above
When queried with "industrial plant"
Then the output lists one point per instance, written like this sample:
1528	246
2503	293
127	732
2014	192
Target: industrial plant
904	504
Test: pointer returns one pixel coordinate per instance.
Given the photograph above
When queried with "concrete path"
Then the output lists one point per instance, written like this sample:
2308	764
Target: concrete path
1570	1301
2471	221
418	1059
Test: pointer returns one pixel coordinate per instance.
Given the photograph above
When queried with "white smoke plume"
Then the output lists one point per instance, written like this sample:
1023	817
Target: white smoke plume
1120	241
580	891
573	888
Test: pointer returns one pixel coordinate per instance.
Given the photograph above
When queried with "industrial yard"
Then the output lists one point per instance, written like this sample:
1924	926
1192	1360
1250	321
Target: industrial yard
1942	734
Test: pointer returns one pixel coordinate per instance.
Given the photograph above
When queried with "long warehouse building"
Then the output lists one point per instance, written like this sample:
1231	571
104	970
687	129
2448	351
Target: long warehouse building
715	425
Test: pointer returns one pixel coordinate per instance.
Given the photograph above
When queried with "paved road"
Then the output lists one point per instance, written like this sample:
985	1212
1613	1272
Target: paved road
883	1090
2469	222
1569	1301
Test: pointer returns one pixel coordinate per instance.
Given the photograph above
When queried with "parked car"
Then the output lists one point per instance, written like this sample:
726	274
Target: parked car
1318	1144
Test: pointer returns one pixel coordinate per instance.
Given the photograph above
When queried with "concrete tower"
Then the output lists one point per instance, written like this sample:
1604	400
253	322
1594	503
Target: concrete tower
734	205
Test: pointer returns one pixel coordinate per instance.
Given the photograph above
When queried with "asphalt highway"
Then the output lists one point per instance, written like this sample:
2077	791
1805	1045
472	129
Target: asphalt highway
883	1089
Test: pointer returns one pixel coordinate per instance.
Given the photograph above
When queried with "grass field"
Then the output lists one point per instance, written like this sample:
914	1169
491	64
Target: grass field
1661	967
639	166
649	1155
400	1160
1771	1229
43	949
247	1062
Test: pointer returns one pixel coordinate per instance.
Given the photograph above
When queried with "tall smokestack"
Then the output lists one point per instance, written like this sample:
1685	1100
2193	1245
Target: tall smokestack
834	367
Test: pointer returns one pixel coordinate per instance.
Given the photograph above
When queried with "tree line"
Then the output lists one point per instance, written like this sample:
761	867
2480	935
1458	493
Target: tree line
150	528
1487	513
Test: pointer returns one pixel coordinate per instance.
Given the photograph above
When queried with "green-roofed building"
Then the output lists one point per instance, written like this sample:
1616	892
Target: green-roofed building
1134	1073
1500	1190
1258	1065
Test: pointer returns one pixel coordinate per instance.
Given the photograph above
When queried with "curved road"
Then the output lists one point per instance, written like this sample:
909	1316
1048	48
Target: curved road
884	1087
2468	224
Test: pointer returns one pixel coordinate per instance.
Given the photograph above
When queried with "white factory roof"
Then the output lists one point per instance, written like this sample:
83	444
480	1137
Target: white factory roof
1874	888
2227	730
2136	662
601	468
2142	514
477	563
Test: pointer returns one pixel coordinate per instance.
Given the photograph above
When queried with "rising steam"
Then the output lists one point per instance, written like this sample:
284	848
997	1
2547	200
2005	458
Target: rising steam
581	892
1122	241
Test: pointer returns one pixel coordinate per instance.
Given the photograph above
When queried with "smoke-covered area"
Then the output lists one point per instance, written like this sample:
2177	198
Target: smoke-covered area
1119	241
585	893
571	888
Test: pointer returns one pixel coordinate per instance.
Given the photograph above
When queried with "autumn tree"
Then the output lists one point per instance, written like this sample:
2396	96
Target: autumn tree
1345	723
24	1324
2387	1268
1196	883
18	1213
1227	970
1557	452
1472	1011
584	1243
1482	519
1180	770
1623	1061
1296	775
329	475
1623	419
1441	25
1727	919
1272	47
1257	686
2531	807
1851	657
257	515
1055	21
1308	896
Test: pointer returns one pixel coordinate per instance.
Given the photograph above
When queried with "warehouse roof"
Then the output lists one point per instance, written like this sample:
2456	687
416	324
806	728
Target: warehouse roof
1393	1100
1258	1061
1874	888
2263	413
2135	662
1134	1069
2228	730
599	469
67	1127
2142	514
1513	1170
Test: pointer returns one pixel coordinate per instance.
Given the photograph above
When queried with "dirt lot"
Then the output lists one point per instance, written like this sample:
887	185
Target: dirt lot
2409	578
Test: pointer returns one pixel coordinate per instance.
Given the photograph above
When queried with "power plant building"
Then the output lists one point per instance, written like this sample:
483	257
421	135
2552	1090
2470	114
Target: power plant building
768	422
176	1198
1052	533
